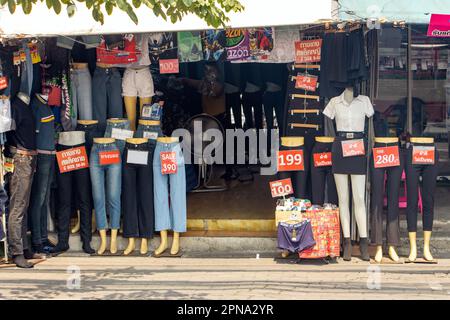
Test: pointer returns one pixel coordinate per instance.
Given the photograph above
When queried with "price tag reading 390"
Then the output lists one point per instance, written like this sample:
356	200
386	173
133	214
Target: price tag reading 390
281	188
168	162
290	160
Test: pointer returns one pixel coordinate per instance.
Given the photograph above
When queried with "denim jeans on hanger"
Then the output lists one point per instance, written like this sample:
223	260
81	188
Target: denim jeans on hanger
26	78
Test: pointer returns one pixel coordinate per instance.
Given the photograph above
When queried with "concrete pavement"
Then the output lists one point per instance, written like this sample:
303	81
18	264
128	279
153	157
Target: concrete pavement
195	277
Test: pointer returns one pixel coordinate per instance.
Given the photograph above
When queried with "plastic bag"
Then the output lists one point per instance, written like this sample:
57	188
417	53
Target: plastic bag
5	115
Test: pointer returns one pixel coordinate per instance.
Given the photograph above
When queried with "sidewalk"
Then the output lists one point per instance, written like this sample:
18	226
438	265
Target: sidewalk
193	277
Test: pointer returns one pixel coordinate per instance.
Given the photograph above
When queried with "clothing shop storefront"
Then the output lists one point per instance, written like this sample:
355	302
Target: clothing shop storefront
94	109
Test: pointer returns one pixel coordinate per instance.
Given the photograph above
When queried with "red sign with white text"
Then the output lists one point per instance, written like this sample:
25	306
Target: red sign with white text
168	162
281	188
290	160
322	159
72	159
169	66
386	157
353	148
109	157
306	82
308	51
423	155
3	83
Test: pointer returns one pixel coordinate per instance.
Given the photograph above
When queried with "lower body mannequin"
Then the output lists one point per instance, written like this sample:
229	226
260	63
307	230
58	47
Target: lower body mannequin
130	106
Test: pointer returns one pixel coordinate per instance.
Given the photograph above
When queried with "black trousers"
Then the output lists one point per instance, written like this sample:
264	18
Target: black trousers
322	178
233	103
71	184
298	178
137	195
427	187
252	105
390	187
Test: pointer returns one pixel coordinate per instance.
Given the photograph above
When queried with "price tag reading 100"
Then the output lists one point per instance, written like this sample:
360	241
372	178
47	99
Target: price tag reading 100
281	188
290	160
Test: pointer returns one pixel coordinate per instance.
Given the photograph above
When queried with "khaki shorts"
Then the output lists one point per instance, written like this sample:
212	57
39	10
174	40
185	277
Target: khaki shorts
137	83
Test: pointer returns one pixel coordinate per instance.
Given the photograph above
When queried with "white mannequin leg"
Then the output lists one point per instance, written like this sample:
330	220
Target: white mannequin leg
358	190
344	202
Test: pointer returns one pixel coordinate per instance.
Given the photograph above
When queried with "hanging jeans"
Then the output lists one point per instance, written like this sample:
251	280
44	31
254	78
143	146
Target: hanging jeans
171	217
26	78
252	105
322	177
81	90
137	196
429	173
107	95
106	187
40	196
298	178
73	184
392	190
19	191
122	125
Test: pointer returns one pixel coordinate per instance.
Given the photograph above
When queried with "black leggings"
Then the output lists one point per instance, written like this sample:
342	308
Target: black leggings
322	177
233	102
253	100
298	178
137	195
394	175
429	174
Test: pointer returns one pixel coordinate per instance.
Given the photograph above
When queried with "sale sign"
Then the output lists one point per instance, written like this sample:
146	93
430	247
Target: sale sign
290	160
322	159
386	157
168	162
281	188
306	82
352	148
307	51
109	157
423	155
169	66
72	159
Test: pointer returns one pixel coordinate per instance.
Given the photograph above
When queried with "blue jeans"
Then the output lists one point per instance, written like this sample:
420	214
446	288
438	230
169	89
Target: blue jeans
81	90
40	196
107	95
106	187
143	131
26	79
124	125
173	218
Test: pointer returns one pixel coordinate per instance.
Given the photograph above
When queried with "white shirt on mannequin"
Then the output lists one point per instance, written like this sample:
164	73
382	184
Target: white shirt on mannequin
350	117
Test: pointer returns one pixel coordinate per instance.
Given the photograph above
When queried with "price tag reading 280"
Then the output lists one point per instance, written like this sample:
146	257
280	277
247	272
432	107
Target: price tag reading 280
281	188
386	157
168	162
290	160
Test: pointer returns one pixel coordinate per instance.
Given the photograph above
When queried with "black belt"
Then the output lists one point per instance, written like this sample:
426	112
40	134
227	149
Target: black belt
351	135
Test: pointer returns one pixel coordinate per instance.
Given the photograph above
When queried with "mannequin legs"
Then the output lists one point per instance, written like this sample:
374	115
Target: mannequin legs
113	247
130	106
164	243
412	246
426	246
76	227
175	243
391	251
163	246
132	246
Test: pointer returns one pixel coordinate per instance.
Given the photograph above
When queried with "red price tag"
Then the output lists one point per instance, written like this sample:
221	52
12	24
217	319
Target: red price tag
109	157
72	159
308	51
306	82
168	162
3	83
290	160
386	157
353	148
169	66
423	155
281	188
322	159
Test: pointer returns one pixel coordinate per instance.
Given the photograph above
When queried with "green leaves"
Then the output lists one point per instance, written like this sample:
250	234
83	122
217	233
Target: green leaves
11	6
56	6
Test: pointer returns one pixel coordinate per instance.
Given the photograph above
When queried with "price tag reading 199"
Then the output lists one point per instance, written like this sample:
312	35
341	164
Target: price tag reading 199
290	160
281	188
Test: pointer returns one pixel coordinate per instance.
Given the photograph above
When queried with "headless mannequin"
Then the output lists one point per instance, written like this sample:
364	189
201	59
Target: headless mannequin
176	235
324	139
291	142
76	227
103	242
426	234
391	249
132	241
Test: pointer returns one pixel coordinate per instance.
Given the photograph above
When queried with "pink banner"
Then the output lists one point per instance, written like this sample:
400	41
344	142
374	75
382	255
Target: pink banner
439	26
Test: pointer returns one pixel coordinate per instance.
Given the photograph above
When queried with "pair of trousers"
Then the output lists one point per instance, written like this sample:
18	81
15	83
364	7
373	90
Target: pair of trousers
137	198
26	78
233	103
322	178
20	190
429	173
73	184
40	197
252	105
81	94
171	217
298	178
91	131
390	187
107	95
147	131
121	125
106	187
273	101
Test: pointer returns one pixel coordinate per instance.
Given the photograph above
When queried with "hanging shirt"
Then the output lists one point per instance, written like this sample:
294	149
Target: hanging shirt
284	45
143	57
124	52
24	134
350	117
45	124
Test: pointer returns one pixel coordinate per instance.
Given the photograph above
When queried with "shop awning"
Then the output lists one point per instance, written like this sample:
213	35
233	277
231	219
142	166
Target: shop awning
410	11
44	22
